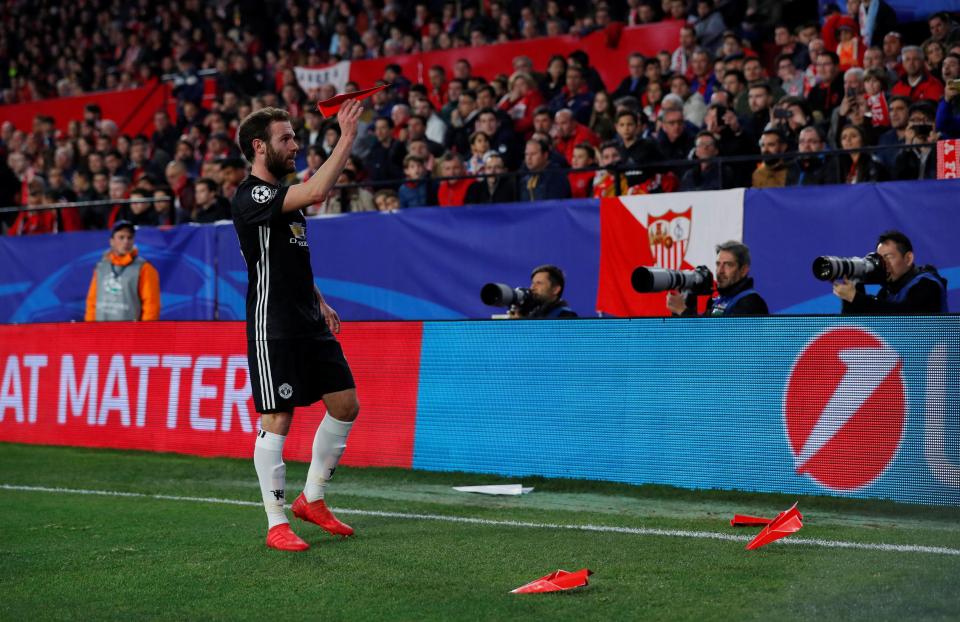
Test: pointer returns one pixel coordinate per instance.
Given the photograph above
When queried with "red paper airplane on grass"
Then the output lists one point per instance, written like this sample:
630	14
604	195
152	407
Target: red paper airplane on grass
555	582
329	107
783	525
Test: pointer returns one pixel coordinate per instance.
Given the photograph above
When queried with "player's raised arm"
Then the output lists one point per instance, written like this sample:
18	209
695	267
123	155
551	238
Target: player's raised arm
316	188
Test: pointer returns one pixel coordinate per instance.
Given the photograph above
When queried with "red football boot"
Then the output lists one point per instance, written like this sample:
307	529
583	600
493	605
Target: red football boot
318	514
282	538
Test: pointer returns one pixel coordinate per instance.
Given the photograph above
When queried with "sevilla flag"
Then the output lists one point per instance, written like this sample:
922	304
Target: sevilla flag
948	162
329	107
676	231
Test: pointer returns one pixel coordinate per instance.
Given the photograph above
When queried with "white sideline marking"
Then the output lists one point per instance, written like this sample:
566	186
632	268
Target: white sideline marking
637	531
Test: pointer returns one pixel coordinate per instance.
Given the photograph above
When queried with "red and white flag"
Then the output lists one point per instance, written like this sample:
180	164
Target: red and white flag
677	231
948	159
310	78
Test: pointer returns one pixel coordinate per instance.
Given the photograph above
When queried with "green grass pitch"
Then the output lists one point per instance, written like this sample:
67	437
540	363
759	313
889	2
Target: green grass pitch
657	553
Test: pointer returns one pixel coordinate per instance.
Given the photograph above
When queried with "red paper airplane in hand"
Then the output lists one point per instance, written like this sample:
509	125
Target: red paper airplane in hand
329	107
555	582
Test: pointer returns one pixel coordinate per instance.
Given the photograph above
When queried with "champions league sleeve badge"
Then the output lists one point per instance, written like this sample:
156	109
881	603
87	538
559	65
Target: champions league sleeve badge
262	194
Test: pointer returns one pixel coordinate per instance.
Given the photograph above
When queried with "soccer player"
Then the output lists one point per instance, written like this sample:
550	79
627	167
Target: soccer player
293	356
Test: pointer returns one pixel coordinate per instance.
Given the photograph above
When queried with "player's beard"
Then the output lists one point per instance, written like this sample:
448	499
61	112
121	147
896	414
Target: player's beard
278	164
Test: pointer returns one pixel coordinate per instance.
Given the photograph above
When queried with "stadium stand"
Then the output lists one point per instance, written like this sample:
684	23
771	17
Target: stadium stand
736	70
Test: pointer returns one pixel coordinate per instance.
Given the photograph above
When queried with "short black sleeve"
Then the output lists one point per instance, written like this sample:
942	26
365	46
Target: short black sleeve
257	202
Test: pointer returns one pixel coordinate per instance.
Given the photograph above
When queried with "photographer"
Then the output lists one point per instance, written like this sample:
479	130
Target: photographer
546	289
736	295
908	288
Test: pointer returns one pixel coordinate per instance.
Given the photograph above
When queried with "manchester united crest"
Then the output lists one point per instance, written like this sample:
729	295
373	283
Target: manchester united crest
298	234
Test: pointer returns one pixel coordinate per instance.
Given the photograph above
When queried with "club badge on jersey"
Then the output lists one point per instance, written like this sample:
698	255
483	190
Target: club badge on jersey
299	233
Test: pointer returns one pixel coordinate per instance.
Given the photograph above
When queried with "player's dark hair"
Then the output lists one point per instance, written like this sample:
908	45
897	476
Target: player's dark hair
257	127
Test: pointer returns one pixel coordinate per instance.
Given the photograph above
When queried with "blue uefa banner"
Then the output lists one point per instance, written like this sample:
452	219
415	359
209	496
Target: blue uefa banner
430	263
46	277
787	228
860	407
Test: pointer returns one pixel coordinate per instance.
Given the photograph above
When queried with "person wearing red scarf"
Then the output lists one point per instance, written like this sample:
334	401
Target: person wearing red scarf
520	103
570	133
36	221
451	192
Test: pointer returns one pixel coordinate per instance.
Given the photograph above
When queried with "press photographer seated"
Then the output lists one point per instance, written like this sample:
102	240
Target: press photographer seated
736	295
546	290
907	288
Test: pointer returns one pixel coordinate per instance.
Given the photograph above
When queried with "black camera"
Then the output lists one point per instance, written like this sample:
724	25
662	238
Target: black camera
782	113
923	129
500	295
696	281
868	269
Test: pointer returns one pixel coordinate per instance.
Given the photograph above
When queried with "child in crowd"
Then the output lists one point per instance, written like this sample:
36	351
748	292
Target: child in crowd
875	84
416	190
581	183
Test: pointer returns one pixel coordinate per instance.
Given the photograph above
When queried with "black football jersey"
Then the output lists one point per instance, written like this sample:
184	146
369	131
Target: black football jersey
281	303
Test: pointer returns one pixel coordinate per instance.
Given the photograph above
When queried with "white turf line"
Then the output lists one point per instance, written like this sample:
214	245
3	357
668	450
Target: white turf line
638	531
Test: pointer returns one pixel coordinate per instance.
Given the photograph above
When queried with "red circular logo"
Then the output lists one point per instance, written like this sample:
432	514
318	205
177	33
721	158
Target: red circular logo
844	408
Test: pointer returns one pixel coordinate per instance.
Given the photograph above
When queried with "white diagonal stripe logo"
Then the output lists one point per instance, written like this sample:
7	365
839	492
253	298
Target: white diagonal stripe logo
866	369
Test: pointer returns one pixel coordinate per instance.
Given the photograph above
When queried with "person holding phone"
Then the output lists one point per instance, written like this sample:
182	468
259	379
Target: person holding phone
948	111
919	162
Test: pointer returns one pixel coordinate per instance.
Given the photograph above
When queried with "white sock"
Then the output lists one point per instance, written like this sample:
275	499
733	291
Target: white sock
272	473
328	445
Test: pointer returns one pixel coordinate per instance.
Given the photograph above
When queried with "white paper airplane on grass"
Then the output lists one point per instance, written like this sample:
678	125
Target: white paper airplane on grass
514	490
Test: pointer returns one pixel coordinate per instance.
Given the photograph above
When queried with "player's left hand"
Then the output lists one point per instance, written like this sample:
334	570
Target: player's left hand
348	116
330	317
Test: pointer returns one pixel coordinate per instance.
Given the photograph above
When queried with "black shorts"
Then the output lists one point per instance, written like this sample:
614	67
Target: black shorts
285	373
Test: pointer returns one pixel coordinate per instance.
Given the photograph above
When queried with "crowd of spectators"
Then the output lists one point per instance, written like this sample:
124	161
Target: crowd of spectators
796	96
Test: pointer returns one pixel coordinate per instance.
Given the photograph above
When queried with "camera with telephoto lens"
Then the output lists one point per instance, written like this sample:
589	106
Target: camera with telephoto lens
868	269
501	295
696	281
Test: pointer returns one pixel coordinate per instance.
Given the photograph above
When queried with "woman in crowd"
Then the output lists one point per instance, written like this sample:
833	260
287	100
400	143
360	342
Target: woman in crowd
601	116
556	76
858	167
